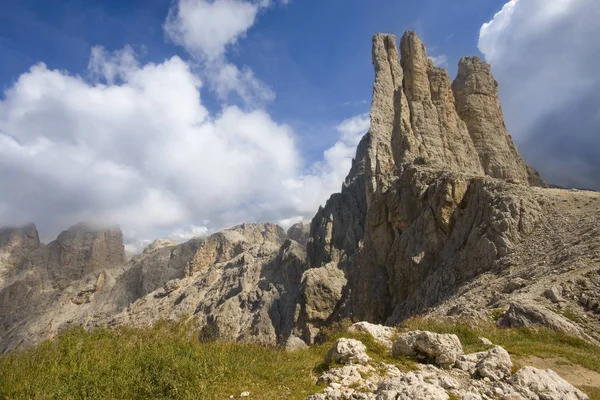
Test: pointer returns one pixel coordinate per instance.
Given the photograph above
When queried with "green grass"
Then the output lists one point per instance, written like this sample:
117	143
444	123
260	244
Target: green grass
168	362
163	362
544	343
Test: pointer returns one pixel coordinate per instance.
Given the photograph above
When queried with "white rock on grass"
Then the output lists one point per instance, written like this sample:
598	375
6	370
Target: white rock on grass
443	349
486	341
352	375
495	364
383	335
294	343
536	384
347	351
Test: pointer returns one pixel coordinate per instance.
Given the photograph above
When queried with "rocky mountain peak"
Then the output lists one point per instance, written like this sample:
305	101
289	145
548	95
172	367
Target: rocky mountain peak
477	103
16	243
80	250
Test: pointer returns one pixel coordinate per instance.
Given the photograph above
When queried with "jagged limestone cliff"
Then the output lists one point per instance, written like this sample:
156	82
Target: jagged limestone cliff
439	214
447	197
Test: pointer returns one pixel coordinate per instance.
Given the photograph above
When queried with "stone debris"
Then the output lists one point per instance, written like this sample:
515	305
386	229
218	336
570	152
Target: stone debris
489	379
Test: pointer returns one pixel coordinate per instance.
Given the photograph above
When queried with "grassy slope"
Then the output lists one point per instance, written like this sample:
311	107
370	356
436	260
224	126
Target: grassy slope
166	362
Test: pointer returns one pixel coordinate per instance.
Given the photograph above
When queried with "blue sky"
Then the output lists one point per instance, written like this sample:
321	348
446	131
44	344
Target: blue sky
314	55
178	118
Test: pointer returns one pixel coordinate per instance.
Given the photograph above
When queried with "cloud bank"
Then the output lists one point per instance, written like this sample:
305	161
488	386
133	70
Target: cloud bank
545	55
134	145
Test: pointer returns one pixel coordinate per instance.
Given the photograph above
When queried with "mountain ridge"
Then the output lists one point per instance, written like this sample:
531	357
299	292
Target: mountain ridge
437	199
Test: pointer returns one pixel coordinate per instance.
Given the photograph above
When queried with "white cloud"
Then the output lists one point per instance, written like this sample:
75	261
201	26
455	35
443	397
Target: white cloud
226	78
205	28
440	61
134	145
325	177
545	55
142	151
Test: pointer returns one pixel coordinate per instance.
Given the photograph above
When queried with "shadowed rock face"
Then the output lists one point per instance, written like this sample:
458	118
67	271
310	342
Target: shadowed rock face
437	198
16	244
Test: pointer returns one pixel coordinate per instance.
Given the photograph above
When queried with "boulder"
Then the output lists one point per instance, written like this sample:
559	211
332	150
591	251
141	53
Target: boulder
467	362
536	384
553	294
294	343
443	349
384	335
347	351
528	315
495	364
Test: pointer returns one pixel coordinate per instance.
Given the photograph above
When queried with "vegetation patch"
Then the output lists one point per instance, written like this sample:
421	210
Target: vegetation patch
163	362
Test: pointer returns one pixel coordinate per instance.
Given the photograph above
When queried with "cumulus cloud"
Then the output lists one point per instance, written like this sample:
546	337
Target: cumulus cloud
206	29
135	146
132	144
545	55
226	78
326	176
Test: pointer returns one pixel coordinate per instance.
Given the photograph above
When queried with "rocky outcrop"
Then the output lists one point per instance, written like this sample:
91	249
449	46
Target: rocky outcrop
38	298
521	315
447	197
438	210
493	378
477	103
239	284
299	232
16	244
79	251
440	137
242	286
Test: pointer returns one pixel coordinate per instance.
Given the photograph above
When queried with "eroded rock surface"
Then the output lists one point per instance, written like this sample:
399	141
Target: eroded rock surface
492	379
